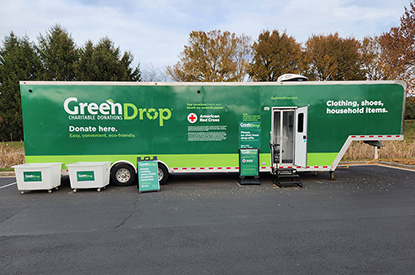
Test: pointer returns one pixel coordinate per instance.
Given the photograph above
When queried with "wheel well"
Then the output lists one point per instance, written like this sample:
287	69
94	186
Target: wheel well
160	163
123	162
132	165
165	165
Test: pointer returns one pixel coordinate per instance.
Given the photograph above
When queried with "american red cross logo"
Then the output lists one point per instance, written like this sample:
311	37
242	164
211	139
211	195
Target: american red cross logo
192	117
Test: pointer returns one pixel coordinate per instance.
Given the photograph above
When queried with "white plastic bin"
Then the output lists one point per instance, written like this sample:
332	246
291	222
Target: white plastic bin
86	175
38	176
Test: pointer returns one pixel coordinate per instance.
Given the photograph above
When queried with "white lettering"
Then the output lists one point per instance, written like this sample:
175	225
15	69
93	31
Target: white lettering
342	103
66	106
82	129
104	108
93	108
113	106
82	107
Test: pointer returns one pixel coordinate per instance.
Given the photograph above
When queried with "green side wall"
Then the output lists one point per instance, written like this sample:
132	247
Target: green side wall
152	120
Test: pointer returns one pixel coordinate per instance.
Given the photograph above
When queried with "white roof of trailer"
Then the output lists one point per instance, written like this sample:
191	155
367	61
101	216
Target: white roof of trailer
299	83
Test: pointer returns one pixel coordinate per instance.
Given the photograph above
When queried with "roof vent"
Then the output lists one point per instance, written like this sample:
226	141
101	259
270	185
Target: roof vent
291	77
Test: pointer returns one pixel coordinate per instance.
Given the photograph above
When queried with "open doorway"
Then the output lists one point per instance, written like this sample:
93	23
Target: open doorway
289	136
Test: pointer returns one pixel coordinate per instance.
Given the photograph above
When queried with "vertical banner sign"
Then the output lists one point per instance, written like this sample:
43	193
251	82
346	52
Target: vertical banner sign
148	179
249	162
249	134
249	166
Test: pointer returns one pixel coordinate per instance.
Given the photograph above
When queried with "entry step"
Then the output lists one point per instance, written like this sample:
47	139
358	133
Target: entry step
288	176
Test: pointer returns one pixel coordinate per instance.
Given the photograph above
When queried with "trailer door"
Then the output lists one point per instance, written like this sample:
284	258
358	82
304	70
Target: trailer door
300	158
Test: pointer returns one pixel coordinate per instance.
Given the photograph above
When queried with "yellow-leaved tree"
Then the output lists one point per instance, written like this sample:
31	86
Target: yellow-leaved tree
213	56
275	54
398	49
330	57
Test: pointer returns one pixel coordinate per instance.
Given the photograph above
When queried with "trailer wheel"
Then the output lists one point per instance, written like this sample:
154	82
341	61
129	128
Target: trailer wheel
163	173
122	175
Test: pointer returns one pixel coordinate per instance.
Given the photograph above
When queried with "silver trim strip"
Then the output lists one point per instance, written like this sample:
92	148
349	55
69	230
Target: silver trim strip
299	83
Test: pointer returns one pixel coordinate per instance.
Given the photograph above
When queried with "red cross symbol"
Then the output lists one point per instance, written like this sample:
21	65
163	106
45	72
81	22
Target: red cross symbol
192	118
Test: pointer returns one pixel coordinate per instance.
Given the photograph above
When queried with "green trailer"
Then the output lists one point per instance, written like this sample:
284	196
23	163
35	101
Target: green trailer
200	127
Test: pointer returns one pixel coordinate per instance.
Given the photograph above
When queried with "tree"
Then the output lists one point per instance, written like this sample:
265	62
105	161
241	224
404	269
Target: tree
398	49
84	67
333	58
153	74
104	62
371	64
58	53
55	58
212	56
18	61
273	55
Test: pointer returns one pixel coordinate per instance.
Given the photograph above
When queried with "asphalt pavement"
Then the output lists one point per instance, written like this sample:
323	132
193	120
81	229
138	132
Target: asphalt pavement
362	223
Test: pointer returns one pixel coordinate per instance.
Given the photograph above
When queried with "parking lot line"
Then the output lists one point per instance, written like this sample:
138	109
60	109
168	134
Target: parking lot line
7	185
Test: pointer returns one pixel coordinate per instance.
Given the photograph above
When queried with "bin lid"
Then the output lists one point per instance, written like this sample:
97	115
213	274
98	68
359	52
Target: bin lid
37	165
83	164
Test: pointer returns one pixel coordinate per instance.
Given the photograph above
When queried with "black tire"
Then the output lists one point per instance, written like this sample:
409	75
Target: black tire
123	175
163	173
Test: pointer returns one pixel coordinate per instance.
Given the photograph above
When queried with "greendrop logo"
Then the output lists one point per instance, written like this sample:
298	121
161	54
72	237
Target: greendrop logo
109	110
148	163
250	125
32	176
86	176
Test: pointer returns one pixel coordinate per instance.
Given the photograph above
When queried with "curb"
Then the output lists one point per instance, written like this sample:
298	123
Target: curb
378	162
397	164
8	174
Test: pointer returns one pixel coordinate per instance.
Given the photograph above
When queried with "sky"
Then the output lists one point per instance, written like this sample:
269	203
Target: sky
155	31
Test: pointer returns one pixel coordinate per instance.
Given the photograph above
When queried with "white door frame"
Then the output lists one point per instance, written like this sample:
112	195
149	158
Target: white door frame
301	131
300	138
